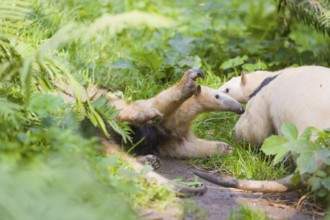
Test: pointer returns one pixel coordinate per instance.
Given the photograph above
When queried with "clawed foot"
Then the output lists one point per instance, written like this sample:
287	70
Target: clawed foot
188	82
149	117
150	159
224	148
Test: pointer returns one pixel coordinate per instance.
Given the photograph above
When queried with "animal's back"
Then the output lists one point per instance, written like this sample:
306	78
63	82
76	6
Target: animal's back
302	97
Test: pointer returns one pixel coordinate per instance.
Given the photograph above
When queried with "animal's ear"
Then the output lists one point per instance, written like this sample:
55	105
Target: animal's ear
198	90
243	78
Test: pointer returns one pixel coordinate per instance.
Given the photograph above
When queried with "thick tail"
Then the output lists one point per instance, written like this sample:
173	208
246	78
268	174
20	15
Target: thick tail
280	185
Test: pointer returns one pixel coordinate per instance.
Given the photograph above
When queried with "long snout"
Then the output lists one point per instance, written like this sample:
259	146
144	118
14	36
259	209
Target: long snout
234	106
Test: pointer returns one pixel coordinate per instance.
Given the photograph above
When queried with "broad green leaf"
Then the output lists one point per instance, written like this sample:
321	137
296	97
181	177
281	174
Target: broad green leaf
181	45
191	61
315	183
289	131
272	144
320	173
324	155
237	61
326	183
300	147
322	192
275	145
306	135
306	163
253	67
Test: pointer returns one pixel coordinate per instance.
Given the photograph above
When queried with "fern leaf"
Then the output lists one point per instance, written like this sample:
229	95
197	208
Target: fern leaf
312	12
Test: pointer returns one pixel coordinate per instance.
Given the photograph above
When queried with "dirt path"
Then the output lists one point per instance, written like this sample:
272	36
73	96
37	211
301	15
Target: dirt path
218	202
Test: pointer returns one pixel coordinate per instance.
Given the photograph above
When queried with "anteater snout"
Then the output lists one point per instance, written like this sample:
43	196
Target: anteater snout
241	111
234	106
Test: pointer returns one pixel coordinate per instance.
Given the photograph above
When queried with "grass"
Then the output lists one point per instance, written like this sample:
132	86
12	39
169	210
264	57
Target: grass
245	162
246	213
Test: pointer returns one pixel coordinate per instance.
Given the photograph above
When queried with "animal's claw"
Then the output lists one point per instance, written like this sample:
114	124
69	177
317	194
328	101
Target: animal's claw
195	73
150	159
224	148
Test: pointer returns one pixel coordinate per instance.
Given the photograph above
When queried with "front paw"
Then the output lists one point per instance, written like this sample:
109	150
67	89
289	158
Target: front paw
224	148
150	159
188	82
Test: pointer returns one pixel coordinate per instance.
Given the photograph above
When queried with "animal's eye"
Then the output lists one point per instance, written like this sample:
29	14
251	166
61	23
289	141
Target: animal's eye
227	90
217	96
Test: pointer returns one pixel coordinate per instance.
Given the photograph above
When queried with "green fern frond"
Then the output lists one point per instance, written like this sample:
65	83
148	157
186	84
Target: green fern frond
10	112
109	114
13	16
312	12
33	58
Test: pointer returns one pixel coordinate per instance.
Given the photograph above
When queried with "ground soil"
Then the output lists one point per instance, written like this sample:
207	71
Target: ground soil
219	202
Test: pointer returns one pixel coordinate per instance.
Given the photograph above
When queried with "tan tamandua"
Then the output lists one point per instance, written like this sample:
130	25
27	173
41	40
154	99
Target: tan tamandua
164	124
164	121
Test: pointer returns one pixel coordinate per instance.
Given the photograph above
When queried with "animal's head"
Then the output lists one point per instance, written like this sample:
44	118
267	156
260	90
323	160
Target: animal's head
210	99
241	87
235	88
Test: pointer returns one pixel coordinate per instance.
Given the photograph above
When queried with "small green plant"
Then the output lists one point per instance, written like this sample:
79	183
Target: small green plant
310	151
246	213
194	183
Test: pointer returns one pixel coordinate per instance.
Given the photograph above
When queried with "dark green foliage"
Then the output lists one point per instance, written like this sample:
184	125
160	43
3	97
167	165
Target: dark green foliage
306	153
143	48
312	12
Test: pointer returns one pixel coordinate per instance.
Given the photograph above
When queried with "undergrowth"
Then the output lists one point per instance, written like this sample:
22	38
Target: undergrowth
136	48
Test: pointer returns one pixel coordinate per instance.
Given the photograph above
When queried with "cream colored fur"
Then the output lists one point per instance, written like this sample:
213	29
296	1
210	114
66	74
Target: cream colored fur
241	87
298	95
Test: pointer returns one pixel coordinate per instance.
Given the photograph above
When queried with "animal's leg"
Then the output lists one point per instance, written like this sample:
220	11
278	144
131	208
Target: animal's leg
196	148
148	117
170	99
137	114
151	111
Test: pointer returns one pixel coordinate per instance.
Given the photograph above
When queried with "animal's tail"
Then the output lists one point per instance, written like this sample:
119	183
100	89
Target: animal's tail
280	185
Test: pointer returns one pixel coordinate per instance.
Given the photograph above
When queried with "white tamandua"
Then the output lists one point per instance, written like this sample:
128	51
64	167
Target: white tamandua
298	95
241	87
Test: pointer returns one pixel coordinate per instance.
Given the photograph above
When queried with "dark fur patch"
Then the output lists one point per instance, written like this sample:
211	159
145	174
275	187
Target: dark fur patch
262	85
152	139
151	135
